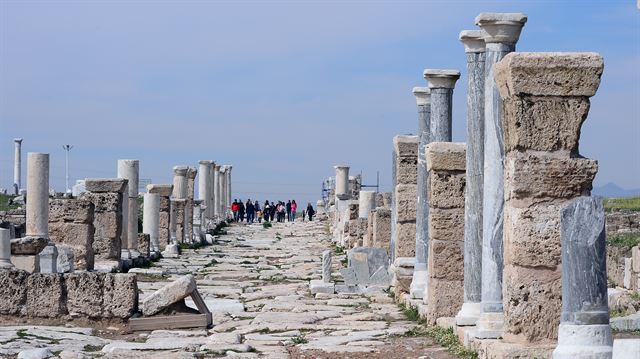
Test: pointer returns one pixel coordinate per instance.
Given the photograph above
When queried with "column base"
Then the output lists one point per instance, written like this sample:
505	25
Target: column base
5	263
468	314
419	281
125	254
134	253
584	341
490	325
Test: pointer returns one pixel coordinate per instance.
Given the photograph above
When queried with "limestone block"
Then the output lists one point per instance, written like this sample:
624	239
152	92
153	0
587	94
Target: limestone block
446	156
120	295
45	295
445	299
318	286
531	123
635	255
445	260
532	235
102	185
28	245
169	294
13	291
104	202
406	146
549	74
407	170
406	239
446	224
353	210
66	259
375	258
163	190
165	204
386	199
144	244
406	202
368	238
28	263
381	228
540	177
106	240
85	293
71	210
446	190
532	300
77	236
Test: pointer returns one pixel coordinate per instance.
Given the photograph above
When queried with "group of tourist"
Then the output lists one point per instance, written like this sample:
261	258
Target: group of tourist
269	212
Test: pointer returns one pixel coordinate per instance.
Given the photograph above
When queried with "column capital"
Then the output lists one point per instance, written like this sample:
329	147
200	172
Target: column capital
180	170
17	140
192	172
473	40
341	167
163	190
206	162
441	78
423	95
501	27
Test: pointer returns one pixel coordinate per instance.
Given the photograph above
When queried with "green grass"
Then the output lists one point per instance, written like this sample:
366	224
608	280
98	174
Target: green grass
448	339
339	250
299	339
630	204
4	202
624	240
266	225
91	348
410	313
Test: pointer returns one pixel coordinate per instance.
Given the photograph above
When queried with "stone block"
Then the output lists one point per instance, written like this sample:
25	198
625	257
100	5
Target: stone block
446	189
407	170
13	291
165	204
106	240
635	255
381	228
531	123
406	239
28	263
120	295
626	348
144	244
169	294
349	276
445	260
71	210
446	156
104	202
101	185
549	74
538	178
380	278
45	295
532	235
77	236
406	202
66	259
406	145
28	245
376	257
445	298
163	190
532	301
318	286
85	293
358	262
446	224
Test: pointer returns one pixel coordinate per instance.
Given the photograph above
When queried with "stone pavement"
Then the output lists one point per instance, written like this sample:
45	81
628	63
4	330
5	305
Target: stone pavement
255	281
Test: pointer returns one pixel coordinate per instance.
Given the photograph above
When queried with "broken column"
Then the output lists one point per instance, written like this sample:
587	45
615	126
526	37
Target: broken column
164	193
129	170
5	249
17	165
503	31
191	178
366	202
474	48
205	186
446	186
584	330
342	182
546	100
37	223
151	219
178	200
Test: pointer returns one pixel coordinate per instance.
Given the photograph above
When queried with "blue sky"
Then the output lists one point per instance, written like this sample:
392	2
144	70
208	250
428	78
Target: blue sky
283	90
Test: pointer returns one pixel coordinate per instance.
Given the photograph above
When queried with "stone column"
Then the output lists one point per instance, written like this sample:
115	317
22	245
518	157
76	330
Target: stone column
228	188
366	202
419	281
342	182
37	222
151	219
441	84
17	165
446	187
584	330
215	198
326	266
180	182
205	182
503	31
191	178
129	170
178	198
164	219
5	249
546	100
474	47
222	185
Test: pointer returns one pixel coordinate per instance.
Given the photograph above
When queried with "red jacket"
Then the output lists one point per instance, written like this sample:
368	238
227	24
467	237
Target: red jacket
234	207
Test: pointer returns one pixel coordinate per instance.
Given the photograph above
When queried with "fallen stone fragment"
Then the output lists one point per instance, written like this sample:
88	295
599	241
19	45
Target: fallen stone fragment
169	294
28	245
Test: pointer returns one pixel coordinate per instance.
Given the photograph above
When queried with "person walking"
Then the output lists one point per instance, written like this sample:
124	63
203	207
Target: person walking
266	211
310	211
241	210
251	212
288	207
273	211
234	209
256	207
294	208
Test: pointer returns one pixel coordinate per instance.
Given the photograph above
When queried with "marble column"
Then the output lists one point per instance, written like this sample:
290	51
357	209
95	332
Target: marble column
205	182
366	202
342	182
503	31
419	280
178	197
584	330
151	220
37	221
180	182
129	170
216	195
228	187
5	248
326	266
222	192
191	180
17	165
474	48
164	192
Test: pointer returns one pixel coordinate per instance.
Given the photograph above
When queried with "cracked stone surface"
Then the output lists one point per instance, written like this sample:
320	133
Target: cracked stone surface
255	282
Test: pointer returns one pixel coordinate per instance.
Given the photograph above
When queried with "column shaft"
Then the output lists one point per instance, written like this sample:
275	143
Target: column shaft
151	220
37	222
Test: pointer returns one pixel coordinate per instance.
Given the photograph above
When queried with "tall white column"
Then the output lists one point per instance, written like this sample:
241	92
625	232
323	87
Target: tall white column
151	220
228	188
204	186
37	195
216	190
129	170
17	165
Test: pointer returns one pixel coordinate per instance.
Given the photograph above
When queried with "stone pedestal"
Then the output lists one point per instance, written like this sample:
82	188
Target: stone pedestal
546	99
474	47
129	170
151	220
446	188
164	192
503	31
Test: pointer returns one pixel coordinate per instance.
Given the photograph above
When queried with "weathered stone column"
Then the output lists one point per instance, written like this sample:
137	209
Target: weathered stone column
178	202
366	202
446	187
326	266
228	187
419	281
584	330
191	178
5	249
441	84
342	182
129	170
17	165
546	100
151	219
37	224
216	195
164	192
205	186
503	31
222	184
180	182
474	48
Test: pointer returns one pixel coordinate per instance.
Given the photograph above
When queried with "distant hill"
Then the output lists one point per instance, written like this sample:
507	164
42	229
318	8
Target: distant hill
612	190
